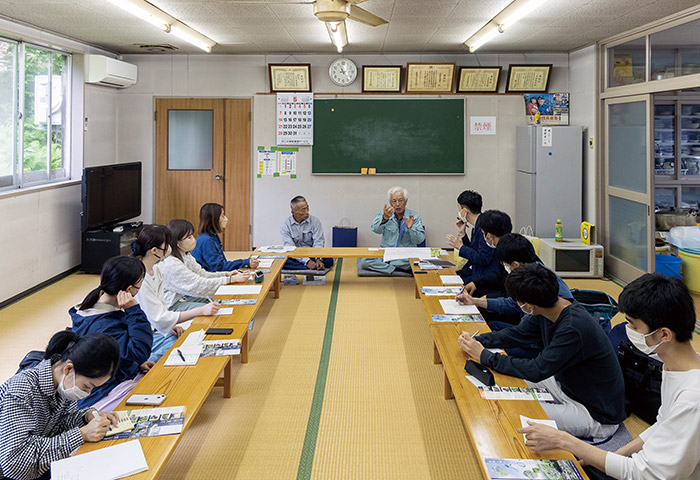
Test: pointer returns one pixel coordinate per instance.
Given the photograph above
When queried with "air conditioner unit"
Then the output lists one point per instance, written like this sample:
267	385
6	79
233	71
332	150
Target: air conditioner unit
109	72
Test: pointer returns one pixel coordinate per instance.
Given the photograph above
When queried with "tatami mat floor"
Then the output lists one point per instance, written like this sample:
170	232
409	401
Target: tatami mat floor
382	412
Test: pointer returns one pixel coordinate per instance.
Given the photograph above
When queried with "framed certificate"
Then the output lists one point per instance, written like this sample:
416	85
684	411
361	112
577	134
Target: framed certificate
290	77
478	79
430	77
386	78
528	78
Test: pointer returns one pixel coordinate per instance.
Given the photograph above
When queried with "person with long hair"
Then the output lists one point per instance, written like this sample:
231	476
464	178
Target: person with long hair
110	308
186	283
209	252
39	419
152	246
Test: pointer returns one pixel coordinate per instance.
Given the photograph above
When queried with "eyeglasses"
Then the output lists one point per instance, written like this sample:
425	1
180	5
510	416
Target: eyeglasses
397	200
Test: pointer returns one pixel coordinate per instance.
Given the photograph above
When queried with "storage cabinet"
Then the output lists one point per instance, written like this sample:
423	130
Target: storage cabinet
100	245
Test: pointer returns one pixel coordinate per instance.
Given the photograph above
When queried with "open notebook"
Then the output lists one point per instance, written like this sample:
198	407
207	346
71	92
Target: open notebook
109	463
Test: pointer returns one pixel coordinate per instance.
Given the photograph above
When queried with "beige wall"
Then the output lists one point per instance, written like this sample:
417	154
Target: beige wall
490	162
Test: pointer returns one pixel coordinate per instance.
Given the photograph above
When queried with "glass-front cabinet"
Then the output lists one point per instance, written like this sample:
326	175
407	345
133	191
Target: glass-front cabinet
677	142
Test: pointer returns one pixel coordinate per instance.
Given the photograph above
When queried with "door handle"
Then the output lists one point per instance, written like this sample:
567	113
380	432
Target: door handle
219	176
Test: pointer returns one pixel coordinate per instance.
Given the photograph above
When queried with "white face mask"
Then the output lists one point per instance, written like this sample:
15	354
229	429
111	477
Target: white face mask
507	268
639	340
522	307
72	394
492	245
462	218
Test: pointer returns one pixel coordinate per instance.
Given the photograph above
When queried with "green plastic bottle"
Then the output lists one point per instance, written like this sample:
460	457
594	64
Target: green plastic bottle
559	231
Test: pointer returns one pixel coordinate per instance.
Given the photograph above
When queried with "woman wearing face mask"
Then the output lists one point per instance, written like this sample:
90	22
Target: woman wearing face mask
39	418
110	308
184	277
661	317
152	246
208	252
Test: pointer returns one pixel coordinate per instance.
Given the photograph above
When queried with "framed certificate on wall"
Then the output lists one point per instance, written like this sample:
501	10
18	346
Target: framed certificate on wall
430	77
385	78
528	78
290	77
478	79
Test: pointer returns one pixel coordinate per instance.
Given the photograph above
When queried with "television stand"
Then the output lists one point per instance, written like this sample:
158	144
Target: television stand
102	244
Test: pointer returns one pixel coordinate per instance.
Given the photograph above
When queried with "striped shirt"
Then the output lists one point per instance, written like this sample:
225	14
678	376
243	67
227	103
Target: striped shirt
37	426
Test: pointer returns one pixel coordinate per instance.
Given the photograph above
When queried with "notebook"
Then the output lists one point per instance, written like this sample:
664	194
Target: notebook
239	290
189	349
451	307
125	424
109	463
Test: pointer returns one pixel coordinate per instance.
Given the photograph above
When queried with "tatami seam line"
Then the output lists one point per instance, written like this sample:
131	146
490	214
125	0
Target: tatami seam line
307	454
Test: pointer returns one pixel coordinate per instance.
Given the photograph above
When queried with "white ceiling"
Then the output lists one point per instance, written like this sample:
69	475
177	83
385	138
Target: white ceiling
430	26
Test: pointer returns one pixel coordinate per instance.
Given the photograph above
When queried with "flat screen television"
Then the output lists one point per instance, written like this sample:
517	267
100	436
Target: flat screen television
110	194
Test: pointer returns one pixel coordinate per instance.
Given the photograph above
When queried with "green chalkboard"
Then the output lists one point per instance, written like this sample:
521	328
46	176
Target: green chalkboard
393	136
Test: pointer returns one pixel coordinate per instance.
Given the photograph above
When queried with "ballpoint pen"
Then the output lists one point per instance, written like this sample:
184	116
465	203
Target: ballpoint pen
472	336
181	355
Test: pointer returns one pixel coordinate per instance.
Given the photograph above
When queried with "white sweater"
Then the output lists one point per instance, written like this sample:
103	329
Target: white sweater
187	277
150	297
671	445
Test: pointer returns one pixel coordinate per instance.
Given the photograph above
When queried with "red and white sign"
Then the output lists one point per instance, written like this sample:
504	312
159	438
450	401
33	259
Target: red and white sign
482	125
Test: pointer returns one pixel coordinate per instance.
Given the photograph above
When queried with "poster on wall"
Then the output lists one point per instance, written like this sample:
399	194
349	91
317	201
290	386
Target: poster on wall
552	108
295	119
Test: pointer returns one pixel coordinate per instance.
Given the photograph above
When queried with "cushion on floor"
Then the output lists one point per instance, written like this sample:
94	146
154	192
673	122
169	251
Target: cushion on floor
361	272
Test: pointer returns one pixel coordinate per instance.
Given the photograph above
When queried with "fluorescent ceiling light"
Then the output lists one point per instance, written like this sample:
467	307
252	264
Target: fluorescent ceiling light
192	36
145	11
504	19
162	20
338	34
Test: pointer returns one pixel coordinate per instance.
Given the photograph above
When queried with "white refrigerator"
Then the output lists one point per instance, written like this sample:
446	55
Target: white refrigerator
549	179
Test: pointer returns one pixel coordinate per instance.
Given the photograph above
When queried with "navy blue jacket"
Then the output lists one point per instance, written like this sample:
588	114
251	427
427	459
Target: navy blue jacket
210	255
482	258
131	329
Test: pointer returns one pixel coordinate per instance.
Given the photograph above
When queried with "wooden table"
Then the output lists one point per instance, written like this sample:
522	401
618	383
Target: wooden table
490	424
186	385
332	252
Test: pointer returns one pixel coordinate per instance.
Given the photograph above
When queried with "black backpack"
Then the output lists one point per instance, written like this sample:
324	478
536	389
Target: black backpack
642	375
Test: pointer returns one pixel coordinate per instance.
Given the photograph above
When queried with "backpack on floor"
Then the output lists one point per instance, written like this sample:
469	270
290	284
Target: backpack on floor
600	305
642	375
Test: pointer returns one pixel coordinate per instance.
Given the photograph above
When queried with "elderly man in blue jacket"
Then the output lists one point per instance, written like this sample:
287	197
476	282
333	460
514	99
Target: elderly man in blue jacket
399	227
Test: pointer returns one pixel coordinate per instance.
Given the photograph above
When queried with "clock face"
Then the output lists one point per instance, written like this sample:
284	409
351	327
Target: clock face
342	72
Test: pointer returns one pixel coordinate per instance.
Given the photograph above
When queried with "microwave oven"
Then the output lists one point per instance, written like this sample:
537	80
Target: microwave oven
572	258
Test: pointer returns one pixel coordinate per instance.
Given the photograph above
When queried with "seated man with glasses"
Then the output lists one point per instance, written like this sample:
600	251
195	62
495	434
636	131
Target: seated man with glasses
303	230
399	227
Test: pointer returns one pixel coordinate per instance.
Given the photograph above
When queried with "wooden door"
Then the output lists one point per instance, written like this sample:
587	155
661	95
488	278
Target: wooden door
203	156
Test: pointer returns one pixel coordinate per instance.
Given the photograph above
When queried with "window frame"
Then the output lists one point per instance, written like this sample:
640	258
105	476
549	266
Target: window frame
19	181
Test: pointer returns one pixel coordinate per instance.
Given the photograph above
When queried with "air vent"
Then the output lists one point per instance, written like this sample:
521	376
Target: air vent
157	48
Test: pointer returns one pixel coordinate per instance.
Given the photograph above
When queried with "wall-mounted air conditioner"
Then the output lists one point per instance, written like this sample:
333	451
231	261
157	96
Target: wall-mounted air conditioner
109	72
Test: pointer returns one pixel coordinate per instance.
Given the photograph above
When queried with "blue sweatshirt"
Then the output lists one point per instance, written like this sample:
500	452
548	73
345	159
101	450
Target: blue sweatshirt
508	306
482	258
575	351
210	255
132	331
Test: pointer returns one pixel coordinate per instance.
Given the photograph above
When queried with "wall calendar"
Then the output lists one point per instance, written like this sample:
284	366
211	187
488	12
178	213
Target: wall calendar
295	119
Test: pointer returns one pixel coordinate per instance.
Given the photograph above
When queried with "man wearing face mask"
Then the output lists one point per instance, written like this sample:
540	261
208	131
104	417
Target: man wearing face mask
577	363
661	317
494	225
481	261
513	251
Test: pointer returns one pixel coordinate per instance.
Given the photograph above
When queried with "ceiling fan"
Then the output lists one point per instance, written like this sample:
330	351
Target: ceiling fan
333	13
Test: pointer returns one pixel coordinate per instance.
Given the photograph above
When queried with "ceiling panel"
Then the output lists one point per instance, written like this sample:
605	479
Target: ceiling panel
414	25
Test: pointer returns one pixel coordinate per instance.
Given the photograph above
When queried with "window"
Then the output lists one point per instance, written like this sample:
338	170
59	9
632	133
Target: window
34	115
